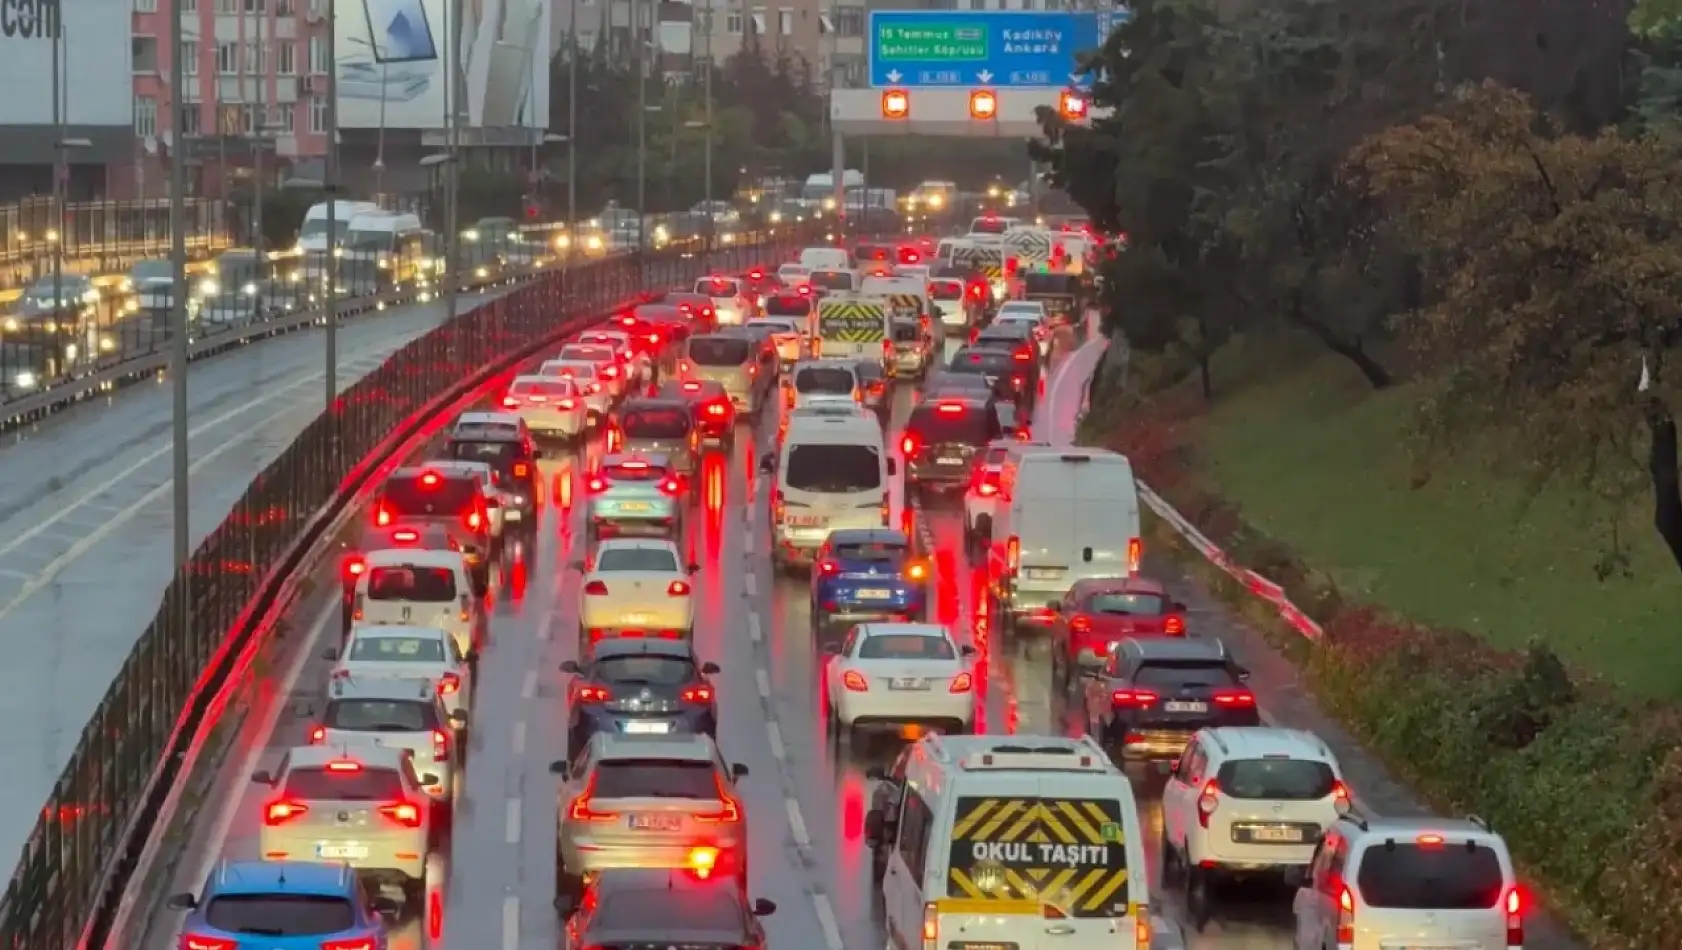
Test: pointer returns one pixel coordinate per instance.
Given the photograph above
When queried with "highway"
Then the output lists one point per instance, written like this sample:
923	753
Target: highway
86	526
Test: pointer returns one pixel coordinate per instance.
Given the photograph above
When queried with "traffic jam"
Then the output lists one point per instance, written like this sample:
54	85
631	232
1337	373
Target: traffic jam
764	612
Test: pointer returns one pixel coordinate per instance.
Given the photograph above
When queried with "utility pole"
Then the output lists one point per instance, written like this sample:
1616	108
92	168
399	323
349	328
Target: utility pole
330	186
260	126
707	150
638	53
452	163
178	295
58	168
572	121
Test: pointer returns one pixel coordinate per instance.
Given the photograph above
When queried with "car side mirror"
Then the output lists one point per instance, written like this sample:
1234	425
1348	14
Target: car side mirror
768	463
763	907
560	767
1243	675
968	650
458	718
738	771
709	669
874	824
181	902
692	567
388	907
876	773
330	654
262	778
1177	607
429	778
571	666
893	466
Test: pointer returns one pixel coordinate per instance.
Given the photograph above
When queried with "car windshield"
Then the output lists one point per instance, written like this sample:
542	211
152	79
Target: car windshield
352	784
875	551
423	585
1277	779
834	468
906	646
636	559
384	649
719	351
495	451
1176	675
655	778
550	388
1439	876
633	471
280	915
645	670
369	240
905	332
1125	604
989	362
424	496
947	290
380	715
825	379
656	423
718	287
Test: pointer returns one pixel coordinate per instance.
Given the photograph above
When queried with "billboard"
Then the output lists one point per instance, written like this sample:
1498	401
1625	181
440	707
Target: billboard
96	41
391	60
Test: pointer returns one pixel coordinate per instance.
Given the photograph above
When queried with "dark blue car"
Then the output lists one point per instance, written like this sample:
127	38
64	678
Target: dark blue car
282	905
636	686
867	574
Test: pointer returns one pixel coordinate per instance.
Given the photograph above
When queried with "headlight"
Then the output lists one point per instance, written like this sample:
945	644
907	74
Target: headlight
661	234
384	264
208	288
730	239
562	242
829	204
338	252
90	296
776	217
250	289
11	325
993	192
595	222
24	380
127	286
482	272
593	242
935	201
470	235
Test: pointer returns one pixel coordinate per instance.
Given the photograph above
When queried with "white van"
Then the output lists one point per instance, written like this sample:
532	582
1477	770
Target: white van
385	250
832	472
413	586
313	236
821	380
1072	514
825	258
1029	842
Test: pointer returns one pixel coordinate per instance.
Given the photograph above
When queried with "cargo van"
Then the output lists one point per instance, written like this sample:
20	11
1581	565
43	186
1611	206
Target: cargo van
825	258
832	472
1072	514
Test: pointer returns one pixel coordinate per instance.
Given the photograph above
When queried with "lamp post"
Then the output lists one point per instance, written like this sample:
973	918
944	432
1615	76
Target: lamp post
572	114
378	52
641	73
330	185
707	119
178	303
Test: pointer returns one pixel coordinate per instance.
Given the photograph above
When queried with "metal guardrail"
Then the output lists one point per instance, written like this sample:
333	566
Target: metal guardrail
75	865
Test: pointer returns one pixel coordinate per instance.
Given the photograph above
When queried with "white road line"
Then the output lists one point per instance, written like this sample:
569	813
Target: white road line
764	680
797	823
754	633
528	689
510	922
826	922
545	622
512	822
747	541
774	734
519	743
749	582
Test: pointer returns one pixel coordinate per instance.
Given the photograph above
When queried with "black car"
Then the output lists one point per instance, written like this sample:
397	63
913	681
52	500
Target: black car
1024	350
941	439
873	388
423	497
668	909
507	449
958	386
1154	693
655	425
635	684
994	365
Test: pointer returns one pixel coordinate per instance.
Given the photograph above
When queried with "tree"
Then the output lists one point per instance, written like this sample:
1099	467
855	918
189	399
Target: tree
1557	261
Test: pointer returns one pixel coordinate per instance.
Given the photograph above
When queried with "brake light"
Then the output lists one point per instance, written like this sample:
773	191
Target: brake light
592	694
1133	698
283	811
1515	918
403	813
1207	802
670	486
474	520
344	765
1013	554
1174	626
910	444
989	485
950	408
1135	554
729	811
593	388
1345	915
1235	698
567	403
931	927
449	684
887	349
698	694
537	398
692	386
610	372
677	589
960	683
1142	931
595	483
1429	841
522	470
778	507
382	515
1022	356
595	589
1080	624
1341	799
440	746
581	810
430	479
855	681
191	941
318	735
714	409
828	567
355	567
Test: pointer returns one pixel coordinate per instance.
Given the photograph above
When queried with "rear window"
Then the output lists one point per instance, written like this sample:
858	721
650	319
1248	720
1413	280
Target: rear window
645	670
825	379
587	352
611	343
718	287
937	424
947	290
990	362
497	451
719	351
907	332
425	585
789	306
633	471
1449	876
1124	604
636	559
1007	848
417	496
381	715
833	468
832	279
552	388
906	647
1276	779
397	649
679	910
662	423
362	785
1174	675
573	370
280	915
870	551
655	778
988	226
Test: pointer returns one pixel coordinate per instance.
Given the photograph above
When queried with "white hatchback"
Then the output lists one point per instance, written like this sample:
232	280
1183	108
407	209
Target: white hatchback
636	587
900	676
598	398
407	652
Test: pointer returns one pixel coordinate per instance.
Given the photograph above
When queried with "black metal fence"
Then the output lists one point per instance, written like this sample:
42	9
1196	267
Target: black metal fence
103	231
104	806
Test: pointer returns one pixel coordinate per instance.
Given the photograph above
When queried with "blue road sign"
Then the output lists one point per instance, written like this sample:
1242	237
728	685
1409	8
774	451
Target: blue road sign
988	48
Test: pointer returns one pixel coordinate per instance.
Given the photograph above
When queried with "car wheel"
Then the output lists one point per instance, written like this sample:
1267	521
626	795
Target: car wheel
1198	901
1170	862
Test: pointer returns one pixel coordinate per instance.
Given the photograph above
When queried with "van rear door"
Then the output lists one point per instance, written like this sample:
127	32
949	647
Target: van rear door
1107	531
1048	526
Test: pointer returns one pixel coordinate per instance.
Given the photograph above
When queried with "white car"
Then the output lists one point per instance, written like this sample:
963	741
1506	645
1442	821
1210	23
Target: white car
598	399
611	369
637	587
902	677
552	407
787	334
1029	308
405	587
793	275
623	347
408	652
730	300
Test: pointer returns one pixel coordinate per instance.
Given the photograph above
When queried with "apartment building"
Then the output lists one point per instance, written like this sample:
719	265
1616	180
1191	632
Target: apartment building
254	71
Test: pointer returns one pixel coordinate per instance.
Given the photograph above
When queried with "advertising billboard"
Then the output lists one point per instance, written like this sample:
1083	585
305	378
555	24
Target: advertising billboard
391	61
96	44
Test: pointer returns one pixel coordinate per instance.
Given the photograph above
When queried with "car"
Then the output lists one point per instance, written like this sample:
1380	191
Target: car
1419	881
598	399
981	495
831	409
624	350
399	714
788	335
1026	326
1023	308
697	308
425	496
941	441
638	686
292	905
636	587
645	802
759	283
997	366
913	349
649	426
399	537
867	573
793	275
709	404
873	387
553	408
408	652
900	676
667	321
613	369
692	907
886	793
728	297
1023	376
745	366
1244	802
633	493
499	503
1153	694
822	380
502	441
959	386
359	803
1097	612
409	585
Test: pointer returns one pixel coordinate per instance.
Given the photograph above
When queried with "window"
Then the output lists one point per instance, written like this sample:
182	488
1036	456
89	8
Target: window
915	820
191	119
256	6
282	119
145	115
189	57
145	54
785	22
318	115
145	6
849	21
586	39
758	23
227	58
318	55
227	6
733	24
286	56
189	6
255	62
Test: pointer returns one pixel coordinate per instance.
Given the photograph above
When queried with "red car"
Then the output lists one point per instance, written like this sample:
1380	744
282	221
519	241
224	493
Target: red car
1099	611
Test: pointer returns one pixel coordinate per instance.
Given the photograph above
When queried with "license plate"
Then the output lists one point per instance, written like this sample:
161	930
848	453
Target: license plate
805	521
1282	835
638	619
341	851
655	822
1185	707
1043	573
908	682
647	728
874	593
949	460
635	506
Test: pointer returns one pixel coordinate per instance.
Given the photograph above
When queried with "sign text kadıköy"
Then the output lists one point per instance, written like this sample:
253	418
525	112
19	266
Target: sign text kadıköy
982	48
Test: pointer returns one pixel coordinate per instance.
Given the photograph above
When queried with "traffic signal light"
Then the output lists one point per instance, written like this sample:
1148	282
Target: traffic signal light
983	104
532	210
1072	105
896	104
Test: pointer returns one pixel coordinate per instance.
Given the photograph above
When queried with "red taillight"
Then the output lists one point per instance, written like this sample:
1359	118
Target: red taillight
355	567
962	683
405	537
349	943
536	399
449	684
690	387
1345	915
440	746
1013	554
778	507
593	388
677	589
567	403
987	489
1341	799
580	809
283	811
610	372
509	402
1135	554
318	735
522	470
1174	626
190	941
729	811
1080	624
855	681
430	479
714	409
595	589
403	813
698	694
474	520
917	572
1022	356
671	486
950	408
596	483
1207	802
1235	698
1515	918
1133	698
828	567
910	444
592	694
382	515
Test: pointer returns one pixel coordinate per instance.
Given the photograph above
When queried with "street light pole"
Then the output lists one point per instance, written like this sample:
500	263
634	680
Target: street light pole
178	295
642	126
260	126
379	143
707	107
58	168
330	185
452	170
572	118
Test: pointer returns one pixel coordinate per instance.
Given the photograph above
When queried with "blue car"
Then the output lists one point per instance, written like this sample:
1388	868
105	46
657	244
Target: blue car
283	905
634	494
867	574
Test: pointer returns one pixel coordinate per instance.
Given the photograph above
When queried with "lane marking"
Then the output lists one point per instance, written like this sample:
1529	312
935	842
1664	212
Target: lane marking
826	922
754	632
510	922
774	734
764	681
528	688
749	582
519	742
747	541
797	823
545	622
512	822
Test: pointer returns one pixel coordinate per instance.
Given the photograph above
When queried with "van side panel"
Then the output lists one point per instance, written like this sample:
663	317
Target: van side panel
1072	520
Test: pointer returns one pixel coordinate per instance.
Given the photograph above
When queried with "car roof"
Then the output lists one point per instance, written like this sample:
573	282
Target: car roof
1373	830
1176	648
680	385
1132	584
654	402
654	459
902	629
684	748
641	646
380	631
369	754
828	362
419	557
869	536
1255	742
637	544
470	466
283	877
545	380
380	687
416	471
